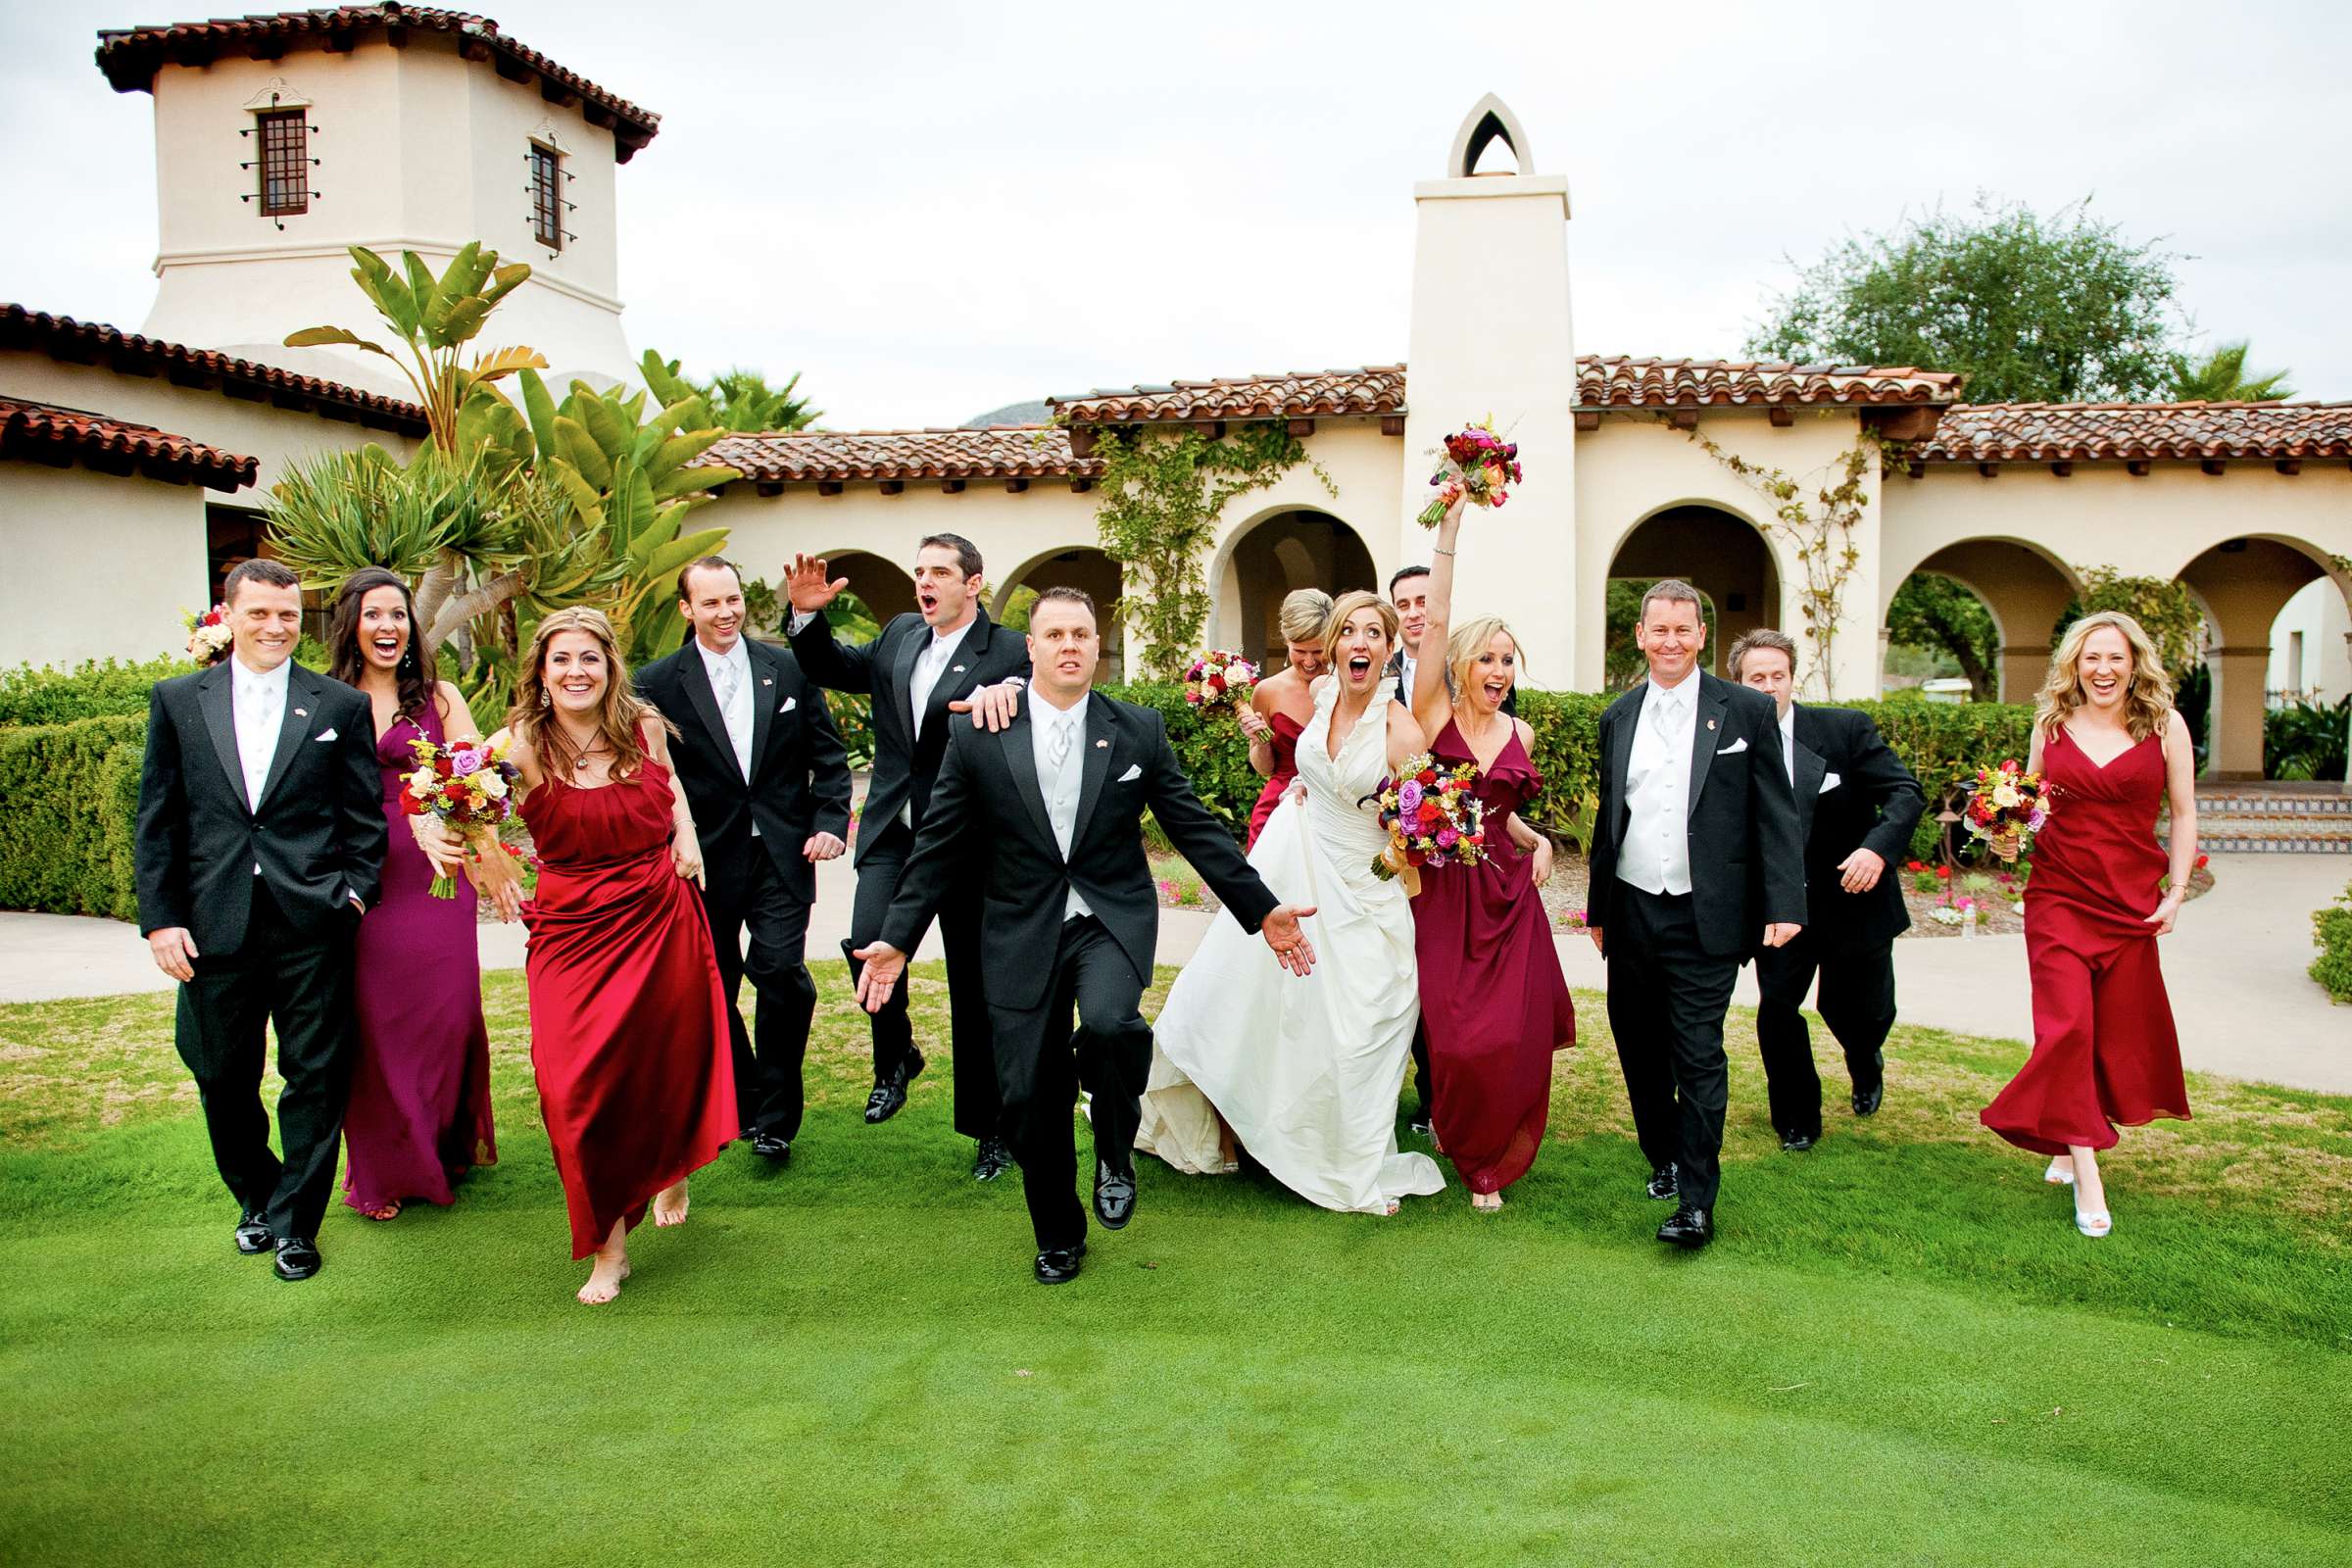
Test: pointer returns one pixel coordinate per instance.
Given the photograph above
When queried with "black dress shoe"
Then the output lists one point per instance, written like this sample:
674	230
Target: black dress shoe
991	1160
1114	1196
1661	1181
1059	1265
1866	1100
253	1234
890	1094
1797	1142
298	1259
1688	1227
767	1146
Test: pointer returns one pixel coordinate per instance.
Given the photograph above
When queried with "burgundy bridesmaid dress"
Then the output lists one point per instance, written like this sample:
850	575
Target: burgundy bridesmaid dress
1493	999
2104	1049
420	1110
1286	771
628	1023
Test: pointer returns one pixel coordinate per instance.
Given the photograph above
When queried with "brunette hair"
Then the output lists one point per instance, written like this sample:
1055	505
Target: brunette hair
968	554
619	717
349	663
259	571
1066	594
1763	637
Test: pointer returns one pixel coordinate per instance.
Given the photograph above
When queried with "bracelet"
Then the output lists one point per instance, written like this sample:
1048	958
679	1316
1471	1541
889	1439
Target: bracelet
1435	551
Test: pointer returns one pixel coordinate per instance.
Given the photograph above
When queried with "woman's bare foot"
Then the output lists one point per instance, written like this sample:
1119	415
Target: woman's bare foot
670	1204
384	1211
1393	1206
612	1268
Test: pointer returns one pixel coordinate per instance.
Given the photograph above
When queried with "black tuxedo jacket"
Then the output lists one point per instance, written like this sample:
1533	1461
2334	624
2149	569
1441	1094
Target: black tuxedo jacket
800	782
904	766
1746	847
988	817
1874	805
319	835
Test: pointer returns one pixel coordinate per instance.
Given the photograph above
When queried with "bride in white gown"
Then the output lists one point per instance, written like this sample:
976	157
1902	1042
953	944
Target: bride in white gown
1307	1071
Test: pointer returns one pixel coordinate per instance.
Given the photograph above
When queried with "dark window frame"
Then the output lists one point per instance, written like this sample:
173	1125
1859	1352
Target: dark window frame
547	195
285	166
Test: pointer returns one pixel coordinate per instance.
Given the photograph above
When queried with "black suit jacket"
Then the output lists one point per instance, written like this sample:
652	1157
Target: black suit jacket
800	782
1746	848
1874	806
903	766
988	817
319	835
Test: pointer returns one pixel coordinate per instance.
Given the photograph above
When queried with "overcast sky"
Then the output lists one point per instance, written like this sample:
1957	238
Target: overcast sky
934	210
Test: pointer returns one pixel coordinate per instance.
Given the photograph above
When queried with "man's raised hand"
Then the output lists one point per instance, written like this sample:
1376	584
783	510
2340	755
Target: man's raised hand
1283	934
883	964
806	587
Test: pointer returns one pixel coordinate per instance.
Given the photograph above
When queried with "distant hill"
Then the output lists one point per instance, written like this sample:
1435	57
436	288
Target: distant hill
1010	414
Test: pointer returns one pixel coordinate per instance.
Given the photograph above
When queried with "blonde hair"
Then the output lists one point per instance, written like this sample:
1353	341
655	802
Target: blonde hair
1305	614
2146	704
1342	611
1469	640
620	716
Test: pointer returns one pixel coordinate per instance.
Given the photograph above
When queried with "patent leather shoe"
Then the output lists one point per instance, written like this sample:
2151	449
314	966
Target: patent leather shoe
1797	1142
297	1258
1059	1265
1688	1227
1867	1100
1661	1181
991	1160
890	1094
1114	1196
767	1146
251	1233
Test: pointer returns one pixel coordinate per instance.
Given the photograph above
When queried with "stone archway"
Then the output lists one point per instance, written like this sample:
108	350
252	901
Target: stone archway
2243	584
1719	552
1073	567
1274	557
883	586
2024	589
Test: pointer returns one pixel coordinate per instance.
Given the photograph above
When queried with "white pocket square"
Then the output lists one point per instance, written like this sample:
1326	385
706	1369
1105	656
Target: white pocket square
1740	745
328	736
1134	771
1829	782
790	703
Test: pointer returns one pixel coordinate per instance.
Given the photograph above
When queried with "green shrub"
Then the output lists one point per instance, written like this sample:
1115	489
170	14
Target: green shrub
46	695
2333	968
2304	739
854	715
1210	750
73	794
1943	743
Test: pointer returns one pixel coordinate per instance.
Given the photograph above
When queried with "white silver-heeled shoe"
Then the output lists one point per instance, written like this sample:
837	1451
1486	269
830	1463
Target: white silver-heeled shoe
2059	1178
2093	1225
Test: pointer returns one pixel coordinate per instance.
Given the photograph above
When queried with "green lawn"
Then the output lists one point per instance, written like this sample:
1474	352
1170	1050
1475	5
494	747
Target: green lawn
1899	1351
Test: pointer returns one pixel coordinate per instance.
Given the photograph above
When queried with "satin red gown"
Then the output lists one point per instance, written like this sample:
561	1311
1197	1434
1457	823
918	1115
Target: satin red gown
1493	999
1286	770
2105	1053
629	1024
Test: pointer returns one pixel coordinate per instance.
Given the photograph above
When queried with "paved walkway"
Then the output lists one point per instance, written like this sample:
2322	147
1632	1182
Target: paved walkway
2235	967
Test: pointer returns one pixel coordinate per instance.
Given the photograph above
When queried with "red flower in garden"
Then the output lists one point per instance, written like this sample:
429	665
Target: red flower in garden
1913	865
1944	871
2201	860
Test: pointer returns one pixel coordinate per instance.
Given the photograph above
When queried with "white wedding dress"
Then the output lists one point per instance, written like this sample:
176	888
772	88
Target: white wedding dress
1307	1070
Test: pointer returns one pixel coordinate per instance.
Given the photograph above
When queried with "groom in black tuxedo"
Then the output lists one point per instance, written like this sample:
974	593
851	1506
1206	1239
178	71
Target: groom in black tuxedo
766	777
1696	857
1856	804
261	844
1047	817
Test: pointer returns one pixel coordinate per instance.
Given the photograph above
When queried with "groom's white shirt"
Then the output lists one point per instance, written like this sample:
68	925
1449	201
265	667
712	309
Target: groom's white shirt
1061	784
1656	854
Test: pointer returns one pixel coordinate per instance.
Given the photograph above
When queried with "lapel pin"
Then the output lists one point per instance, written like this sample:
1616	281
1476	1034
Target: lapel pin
302	713
959	669
765	681
1103	743
1710	723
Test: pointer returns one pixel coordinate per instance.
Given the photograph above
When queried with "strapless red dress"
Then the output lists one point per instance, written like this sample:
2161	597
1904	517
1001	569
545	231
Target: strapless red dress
1286	771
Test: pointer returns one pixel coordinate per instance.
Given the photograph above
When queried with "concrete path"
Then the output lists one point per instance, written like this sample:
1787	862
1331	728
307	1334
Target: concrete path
2235	967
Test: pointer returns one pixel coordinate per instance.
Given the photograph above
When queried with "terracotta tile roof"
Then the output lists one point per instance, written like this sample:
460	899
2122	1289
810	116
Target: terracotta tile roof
74	342
40	432
999	452
130	56
2087	433
1618	381
1293	395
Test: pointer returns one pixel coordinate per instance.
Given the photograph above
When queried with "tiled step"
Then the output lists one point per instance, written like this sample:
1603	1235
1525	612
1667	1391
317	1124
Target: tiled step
2274	818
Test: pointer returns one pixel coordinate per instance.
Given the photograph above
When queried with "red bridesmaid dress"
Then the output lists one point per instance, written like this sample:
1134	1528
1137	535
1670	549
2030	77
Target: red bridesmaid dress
628	1023
2105	1053
1286	770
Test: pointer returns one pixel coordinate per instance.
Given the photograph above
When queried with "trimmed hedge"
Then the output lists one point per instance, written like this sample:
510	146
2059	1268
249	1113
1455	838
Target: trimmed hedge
92	688
72	793
2333	968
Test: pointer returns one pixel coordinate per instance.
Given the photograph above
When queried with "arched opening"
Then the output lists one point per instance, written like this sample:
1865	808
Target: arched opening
1940	630
1489	122
2020	590
883	588
2243	585
1275	556
1716	552
1078	566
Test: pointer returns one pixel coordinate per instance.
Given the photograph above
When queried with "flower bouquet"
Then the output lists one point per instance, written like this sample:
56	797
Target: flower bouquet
2007	807
1478	464
209	636
1434	817
1218	678
469	786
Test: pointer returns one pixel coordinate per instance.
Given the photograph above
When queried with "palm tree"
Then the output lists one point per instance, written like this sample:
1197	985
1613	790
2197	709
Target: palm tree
742	400
2221	378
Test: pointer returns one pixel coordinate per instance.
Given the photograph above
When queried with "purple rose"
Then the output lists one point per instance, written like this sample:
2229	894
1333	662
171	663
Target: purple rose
1408	797
466	761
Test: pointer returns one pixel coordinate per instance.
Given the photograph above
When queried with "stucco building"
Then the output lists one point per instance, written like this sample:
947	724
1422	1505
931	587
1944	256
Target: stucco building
428	129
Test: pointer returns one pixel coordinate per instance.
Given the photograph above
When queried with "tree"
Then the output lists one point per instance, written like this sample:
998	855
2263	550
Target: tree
1931	610
2220	377
2165	609
742	400
2034	308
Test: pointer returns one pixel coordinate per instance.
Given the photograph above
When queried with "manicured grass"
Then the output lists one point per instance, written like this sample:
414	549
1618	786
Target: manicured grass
1899	1351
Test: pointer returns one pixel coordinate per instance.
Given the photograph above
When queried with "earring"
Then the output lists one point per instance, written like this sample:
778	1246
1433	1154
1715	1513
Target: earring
545	701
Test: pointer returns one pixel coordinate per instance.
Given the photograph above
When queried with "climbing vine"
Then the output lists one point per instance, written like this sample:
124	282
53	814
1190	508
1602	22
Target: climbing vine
1162	494
1819	529
2165	609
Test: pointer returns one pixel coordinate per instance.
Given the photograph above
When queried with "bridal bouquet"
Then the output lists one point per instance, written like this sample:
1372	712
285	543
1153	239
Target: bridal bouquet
1218	678
1434	817
209	636
2007	807
469	786
1478	464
